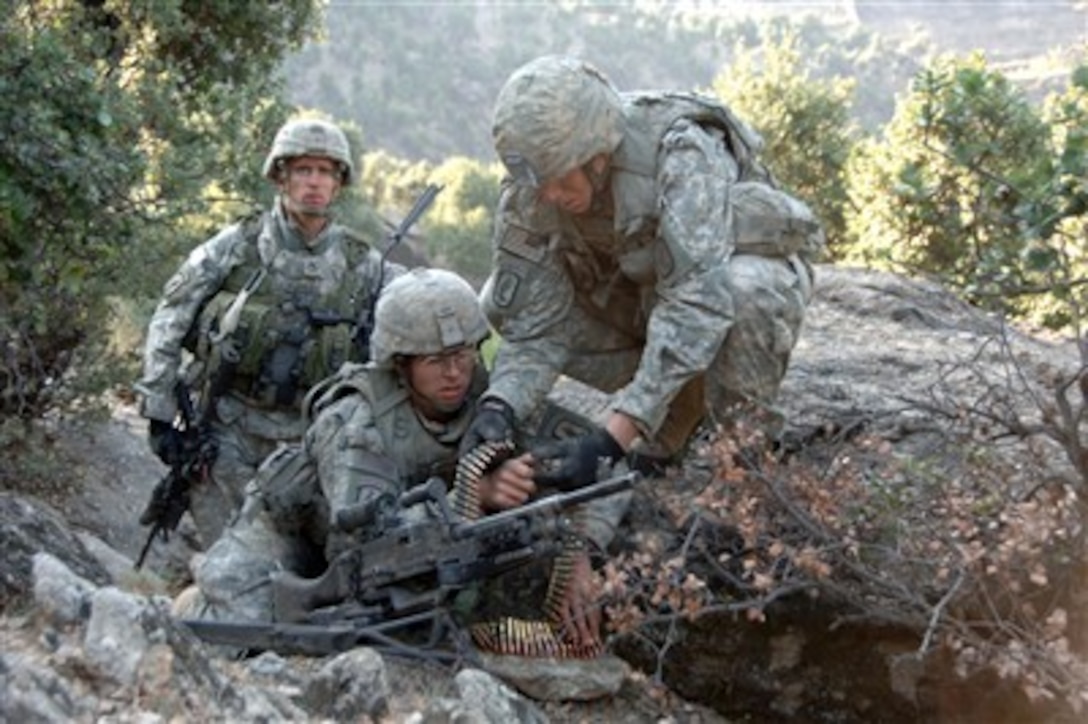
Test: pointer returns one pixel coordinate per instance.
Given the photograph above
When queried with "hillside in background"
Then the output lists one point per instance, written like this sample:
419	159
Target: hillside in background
419	78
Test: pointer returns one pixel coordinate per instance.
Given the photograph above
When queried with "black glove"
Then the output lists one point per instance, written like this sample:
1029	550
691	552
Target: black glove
166	441
494	422
573	463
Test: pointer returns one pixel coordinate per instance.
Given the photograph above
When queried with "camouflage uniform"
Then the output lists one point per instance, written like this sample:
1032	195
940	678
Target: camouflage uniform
366	440
296	328
683	288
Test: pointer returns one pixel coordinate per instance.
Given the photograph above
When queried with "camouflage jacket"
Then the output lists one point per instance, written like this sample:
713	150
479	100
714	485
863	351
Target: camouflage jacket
367	439
308	302
652	267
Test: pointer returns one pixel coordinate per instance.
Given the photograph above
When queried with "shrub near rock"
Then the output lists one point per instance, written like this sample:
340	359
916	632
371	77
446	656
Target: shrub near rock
905	557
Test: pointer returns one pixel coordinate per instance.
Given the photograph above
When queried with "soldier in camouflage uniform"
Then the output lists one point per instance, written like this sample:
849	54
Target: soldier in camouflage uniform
641	248
268	307
375	431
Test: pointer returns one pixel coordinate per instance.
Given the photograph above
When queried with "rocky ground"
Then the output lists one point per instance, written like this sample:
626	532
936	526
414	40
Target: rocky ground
88	639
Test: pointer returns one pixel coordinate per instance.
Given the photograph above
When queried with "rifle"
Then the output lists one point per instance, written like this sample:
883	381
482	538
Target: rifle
365	325
408	576
170	497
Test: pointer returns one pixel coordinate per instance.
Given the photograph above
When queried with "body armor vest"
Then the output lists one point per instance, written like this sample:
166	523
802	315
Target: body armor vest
614	264
634	164
419	450
298	323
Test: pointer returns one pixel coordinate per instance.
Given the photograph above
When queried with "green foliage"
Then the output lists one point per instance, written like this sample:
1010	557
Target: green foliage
1056	259
948	190
805	121
460	226
127	129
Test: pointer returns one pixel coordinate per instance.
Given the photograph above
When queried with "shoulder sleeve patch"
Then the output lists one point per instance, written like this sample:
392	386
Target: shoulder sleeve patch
522	298
523	243
505	287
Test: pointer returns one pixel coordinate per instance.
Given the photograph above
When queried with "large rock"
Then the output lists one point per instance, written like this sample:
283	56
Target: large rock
873	348
874	344
28	527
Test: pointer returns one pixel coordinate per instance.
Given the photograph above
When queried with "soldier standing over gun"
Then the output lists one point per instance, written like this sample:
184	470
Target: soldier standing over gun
642	248
376	431
268	307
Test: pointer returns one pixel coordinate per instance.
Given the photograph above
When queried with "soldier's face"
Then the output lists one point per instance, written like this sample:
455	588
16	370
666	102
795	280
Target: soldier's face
310	184
572	192
441	381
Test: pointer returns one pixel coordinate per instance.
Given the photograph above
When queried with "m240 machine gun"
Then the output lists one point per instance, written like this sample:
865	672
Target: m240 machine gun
406	579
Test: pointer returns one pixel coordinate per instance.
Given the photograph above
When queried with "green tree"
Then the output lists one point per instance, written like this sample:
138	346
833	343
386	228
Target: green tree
946	190
391	184
459	228
130	130
1056	257
804	120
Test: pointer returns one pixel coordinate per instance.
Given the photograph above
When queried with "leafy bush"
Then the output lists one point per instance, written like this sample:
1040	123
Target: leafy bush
1056	258
66	213
129	128
805	121
944	191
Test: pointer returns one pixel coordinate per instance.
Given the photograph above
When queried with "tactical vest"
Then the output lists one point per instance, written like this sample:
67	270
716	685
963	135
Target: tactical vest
297	326
418	451
767	221
614	264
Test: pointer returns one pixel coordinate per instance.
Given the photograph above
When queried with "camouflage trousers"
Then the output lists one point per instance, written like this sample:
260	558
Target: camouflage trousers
245	436
234	577
770	296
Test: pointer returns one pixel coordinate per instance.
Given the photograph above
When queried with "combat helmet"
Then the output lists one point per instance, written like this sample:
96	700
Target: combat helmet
553	115
426	311
310	137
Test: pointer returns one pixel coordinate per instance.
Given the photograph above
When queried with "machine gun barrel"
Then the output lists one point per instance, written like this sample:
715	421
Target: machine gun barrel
309	639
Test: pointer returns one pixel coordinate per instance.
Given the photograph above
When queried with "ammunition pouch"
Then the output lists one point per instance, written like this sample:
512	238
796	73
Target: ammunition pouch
771	223
276	352
287	484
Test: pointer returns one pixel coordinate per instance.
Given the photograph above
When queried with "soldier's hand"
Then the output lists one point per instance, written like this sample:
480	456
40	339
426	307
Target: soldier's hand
580	611
573	463
166	441
493	422
509	485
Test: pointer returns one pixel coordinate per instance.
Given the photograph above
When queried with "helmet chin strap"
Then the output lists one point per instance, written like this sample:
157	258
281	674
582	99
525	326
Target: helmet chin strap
319	213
